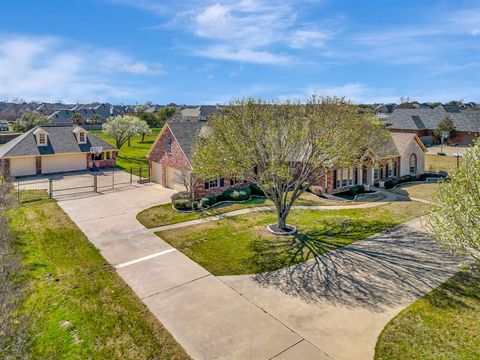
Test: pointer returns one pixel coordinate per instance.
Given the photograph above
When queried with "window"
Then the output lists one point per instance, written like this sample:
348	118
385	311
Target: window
108	155
169	146
42	139
222	182
376	173
344	178
213	183
413	164
81	137
389	169
350	177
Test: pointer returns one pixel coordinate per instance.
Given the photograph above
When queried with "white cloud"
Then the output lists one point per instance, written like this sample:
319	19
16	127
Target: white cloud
49	69
305	38
225	52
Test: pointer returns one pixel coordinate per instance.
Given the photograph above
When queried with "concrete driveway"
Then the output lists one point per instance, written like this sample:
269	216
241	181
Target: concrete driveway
333	307
341	301
208	318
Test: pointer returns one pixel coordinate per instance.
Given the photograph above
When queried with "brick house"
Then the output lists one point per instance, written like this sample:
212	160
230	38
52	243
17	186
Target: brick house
423	122
170	162
50	149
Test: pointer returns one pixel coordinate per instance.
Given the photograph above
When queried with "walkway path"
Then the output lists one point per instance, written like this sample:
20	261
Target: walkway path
388	198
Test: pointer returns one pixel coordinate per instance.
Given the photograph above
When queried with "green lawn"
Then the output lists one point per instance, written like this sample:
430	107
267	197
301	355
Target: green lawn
439	163
164	214
242	245
444	324
79	306
133	155
421	191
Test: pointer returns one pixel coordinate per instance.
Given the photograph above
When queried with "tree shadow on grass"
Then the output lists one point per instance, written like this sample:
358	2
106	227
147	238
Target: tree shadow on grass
391	268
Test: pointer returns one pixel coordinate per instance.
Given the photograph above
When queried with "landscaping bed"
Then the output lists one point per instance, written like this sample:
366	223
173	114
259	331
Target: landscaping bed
444	324
165	214
243	245
78	305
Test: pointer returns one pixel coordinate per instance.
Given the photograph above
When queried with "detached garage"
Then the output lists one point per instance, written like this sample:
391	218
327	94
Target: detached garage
22	166
55	149
63	163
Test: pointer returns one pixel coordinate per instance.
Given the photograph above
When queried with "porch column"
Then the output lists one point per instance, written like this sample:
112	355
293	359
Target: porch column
372	176
360	174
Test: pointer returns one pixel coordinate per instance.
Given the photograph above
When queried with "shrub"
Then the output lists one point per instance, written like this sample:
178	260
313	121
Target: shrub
389	184
255	190
235	194
179	195
182	204
406	178
357	189
212	199
204	202
194	205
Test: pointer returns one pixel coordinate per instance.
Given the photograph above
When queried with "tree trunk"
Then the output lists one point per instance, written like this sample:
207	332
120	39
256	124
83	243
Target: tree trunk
143	138
282	218
129	141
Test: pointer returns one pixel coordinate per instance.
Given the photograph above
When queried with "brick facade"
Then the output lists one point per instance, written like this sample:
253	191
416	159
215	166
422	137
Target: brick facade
104	162
38	165
5	166
178	160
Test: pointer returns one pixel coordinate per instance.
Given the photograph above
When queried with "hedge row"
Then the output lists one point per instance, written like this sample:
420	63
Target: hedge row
180	202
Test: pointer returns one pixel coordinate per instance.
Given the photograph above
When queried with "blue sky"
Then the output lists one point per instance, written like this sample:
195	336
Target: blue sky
191	52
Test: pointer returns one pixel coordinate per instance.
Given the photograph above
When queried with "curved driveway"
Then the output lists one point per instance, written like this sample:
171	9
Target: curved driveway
332	307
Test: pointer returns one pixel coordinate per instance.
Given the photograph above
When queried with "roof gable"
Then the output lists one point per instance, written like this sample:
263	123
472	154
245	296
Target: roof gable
61	140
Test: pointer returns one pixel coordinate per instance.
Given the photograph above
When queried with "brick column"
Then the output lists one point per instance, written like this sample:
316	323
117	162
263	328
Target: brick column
38	165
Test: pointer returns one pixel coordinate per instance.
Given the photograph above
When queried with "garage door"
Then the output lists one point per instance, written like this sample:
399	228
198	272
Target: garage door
157	172
174	181
22	166
61	163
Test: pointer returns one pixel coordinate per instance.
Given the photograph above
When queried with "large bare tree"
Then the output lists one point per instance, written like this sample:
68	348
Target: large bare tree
284	147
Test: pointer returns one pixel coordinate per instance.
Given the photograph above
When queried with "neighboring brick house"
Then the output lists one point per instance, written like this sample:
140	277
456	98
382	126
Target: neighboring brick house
170	162
423	122
51	149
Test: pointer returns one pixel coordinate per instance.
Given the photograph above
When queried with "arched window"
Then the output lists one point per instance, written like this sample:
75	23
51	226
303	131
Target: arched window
169	146
413	164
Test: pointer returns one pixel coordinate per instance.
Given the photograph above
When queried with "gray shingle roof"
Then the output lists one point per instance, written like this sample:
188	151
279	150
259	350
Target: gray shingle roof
185	133
417	119
61	140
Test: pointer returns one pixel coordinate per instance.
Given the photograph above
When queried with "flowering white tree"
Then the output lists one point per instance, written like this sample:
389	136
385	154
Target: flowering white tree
455	218
121	128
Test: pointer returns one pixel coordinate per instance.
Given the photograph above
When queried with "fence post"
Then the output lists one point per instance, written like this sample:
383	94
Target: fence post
95	184
50	187
140	176
113	180
131	175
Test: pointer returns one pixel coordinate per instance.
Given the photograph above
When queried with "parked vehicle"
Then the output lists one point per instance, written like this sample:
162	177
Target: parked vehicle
3	126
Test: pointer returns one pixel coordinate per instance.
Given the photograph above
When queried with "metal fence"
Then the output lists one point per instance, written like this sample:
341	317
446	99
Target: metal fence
77	184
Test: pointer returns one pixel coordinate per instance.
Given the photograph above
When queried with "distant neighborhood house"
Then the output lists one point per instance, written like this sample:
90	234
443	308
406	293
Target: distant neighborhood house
423	122
51	149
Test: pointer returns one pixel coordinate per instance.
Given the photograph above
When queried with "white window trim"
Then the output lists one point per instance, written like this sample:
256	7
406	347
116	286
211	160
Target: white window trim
45	139
80	141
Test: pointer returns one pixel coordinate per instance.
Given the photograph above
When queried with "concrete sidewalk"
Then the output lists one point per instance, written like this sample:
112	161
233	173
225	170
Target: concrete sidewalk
208	318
